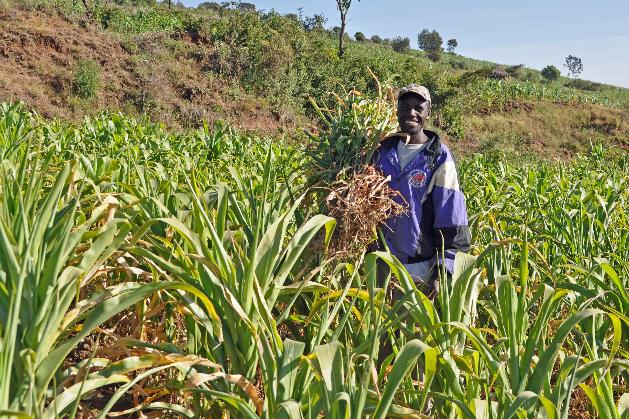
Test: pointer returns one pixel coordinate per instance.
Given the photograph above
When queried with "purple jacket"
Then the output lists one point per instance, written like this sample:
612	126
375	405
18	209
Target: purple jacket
437	216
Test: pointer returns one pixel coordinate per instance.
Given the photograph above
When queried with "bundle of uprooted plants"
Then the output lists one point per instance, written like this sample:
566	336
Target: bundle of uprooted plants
354	192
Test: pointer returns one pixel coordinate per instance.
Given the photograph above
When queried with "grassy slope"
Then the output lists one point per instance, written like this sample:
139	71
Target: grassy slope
182	67
153	75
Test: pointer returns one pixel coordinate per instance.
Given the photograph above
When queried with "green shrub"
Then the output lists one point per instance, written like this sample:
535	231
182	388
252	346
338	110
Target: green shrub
86	79
459	65
516	71
142	20
585	85
551	73
360	37
401	44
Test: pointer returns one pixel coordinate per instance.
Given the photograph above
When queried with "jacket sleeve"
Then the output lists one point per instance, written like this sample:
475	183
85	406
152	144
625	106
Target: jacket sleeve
450	227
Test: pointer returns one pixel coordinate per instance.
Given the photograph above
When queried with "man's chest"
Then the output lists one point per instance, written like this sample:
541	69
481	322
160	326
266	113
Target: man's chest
411	181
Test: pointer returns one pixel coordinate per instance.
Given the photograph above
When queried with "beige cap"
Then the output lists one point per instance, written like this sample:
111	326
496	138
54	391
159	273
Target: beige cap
417	89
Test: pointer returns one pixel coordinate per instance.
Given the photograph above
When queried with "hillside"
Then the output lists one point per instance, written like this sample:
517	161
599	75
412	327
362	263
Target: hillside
256	72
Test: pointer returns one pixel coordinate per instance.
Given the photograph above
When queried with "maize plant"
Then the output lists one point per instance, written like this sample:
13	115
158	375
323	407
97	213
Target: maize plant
194	269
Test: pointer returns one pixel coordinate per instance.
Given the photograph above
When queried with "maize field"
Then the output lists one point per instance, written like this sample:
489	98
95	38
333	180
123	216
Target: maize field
145	273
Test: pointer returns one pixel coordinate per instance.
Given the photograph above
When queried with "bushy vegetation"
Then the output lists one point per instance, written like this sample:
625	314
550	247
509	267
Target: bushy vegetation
188	273
400	44
86	79
432	43
550	73
287	59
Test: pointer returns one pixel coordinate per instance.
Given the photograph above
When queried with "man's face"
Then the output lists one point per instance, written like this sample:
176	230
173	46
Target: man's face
412	113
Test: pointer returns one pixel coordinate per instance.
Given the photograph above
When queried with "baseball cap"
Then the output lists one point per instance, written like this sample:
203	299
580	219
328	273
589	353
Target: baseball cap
417	89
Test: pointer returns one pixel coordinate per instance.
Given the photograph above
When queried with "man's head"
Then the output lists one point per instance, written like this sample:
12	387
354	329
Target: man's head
413	108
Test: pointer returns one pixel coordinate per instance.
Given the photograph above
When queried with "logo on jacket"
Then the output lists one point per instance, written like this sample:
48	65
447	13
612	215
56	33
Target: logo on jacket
416	178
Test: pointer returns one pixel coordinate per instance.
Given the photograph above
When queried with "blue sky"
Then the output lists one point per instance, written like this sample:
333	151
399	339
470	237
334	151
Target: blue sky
534	32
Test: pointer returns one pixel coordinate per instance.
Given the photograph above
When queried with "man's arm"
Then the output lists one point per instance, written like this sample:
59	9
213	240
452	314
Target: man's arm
450	228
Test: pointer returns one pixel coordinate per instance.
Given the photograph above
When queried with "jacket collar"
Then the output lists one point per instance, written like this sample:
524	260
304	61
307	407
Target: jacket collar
389	148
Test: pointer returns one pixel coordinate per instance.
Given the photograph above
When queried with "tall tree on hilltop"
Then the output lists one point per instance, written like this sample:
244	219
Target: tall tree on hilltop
452	44
343	7
431	42
574	65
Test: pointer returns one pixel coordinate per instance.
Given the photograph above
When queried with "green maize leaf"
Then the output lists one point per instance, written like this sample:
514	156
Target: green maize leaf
594	398
341	406
239	405
464	287
288	368
352	292
527	396
305	286
289	409
549	300
395	411
547	358
268	250
623	406
136	363
78	390
297	245
14	414
403	364
485	409
467	413
331	368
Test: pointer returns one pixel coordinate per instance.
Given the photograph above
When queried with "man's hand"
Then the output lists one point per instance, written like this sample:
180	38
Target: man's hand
433	286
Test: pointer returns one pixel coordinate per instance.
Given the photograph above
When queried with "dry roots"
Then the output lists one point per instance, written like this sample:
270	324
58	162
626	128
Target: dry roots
359	206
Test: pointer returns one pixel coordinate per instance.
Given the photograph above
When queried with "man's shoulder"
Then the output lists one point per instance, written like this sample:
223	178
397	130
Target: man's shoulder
439	148
390	140
386	144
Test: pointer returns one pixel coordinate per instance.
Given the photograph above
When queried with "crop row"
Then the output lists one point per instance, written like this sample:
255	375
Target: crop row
188	273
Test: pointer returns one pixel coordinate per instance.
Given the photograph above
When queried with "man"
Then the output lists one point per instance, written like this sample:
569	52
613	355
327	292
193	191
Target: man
421	168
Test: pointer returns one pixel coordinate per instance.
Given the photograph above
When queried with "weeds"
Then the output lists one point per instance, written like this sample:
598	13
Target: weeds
87	79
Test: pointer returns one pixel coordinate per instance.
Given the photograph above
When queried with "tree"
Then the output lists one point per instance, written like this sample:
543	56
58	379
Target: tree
314	23
400	44
212	5
452	43
574	65
248	7
551	73
431	42
88	13
343	7
360	37
376	39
